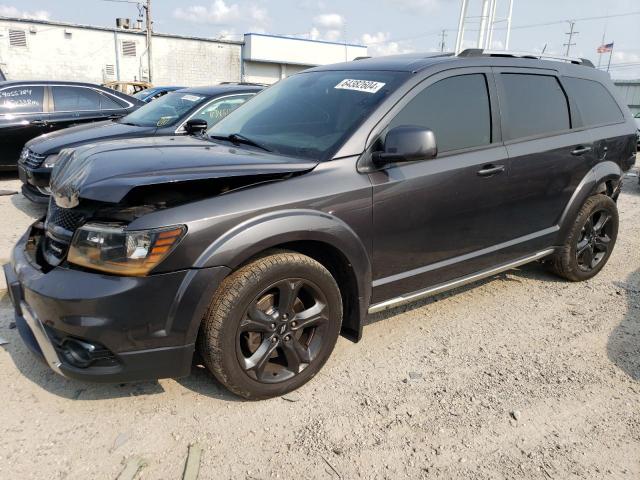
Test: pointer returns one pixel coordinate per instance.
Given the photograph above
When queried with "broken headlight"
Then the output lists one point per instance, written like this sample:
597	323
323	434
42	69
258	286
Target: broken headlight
50	161
111	248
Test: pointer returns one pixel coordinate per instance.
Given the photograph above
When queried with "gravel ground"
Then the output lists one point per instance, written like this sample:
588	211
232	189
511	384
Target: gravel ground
519	376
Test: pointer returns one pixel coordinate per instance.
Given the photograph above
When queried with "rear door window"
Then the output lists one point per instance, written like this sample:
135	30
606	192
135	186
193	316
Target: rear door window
457	109
75	99
27	99
596	105
533	105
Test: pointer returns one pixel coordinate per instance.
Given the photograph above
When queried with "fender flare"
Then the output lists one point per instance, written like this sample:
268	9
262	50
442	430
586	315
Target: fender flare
260	233
590	184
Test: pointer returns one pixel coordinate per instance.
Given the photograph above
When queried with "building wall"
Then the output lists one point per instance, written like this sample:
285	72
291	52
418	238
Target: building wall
629	90
75	53
298	51
265	72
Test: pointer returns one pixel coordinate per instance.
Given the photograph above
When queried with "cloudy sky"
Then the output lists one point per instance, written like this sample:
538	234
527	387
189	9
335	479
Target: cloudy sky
386	26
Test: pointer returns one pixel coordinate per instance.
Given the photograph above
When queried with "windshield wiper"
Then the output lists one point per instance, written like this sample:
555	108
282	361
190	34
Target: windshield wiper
238	138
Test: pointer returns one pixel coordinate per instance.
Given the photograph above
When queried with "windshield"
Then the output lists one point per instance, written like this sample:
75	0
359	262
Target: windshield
164	111
310	114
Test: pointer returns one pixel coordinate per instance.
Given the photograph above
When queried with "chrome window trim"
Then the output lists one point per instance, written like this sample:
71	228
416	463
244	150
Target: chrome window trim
98	91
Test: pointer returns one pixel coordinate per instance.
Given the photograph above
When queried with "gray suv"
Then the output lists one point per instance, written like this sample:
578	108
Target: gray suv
341	191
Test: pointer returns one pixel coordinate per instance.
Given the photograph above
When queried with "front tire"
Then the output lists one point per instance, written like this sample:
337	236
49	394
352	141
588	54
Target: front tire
271	325
590	241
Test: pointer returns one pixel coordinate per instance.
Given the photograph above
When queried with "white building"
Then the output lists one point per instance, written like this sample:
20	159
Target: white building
46	50
267	58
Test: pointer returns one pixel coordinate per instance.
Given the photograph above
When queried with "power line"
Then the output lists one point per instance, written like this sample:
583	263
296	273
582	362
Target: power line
531	25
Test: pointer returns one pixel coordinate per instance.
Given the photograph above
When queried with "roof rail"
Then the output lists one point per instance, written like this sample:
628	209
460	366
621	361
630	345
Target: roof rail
479	52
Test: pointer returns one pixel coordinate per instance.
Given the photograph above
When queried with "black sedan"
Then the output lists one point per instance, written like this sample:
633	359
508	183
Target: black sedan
32	108
186	111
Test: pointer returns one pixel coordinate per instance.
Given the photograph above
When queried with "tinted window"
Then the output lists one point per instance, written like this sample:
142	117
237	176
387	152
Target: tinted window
534	105
73	99
596	105
217	110
456	109
310	114
166	110
107	102
26	99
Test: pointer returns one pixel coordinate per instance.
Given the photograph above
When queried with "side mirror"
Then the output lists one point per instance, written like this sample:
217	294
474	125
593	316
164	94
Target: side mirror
195	126
407	143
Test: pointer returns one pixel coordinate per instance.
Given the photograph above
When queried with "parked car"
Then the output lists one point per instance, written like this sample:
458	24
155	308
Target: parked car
154	93
340	191
130	88
185	111
31	108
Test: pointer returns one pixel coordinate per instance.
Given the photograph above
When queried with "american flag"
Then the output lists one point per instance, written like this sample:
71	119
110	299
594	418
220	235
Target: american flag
607	47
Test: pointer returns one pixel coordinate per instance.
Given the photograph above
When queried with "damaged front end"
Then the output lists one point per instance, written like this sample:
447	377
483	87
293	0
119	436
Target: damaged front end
93	201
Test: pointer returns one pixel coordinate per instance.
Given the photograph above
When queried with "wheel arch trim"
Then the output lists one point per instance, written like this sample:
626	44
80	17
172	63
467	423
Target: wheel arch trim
599	175
273	229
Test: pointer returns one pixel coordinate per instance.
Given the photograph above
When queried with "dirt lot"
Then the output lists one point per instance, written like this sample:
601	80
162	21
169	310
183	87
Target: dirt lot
520	376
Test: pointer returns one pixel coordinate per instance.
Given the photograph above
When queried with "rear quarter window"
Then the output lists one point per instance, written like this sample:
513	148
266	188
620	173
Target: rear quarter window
595	103
534	105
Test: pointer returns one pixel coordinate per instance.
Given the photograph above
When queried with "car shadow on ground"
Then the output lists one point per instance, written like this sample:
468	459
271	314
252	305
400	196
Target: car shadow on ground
623	347
532	271
200	381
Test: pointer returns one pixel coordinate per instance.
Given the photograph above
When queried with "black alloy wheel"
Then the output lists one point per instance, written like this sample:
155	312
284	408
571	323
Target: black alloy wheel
595	240
271	325
282	330
589	242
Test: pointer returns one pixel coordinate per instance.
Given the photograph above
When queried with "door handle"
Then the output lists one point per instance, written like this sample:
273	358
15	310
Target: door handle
490	170
580	151
38	122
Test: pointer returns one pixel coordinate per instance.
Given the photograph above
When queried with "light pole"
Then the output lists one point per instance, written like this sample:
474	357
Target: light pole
149	39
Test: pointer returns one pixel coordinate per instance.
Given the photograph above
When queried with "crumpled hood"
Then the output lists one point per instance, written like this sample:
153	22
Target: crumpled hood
52	143
108	171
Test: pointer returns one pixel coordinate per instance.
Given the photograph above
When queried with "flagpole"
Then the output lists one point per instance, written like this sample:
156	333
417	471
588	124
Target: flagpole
610	55
601	43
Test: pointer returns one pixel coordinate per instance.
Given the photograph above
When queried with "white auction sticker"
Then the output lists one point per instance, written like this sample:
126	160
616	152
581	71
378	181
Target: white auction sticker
367	86
191	98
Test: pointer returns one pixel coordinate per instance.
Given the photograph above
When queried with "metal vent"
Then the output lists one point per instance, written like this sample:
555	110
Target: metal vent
17	38
129	48
109	70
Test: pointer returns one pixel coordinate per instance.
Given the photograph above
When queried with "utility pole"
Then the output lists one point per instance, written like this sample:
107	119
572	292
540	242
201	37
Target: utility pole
571	33
443	36
149	39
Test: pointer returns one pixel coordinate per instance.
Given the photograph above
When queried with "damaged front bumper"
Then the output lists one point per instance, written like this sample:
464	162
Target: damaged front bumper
106	328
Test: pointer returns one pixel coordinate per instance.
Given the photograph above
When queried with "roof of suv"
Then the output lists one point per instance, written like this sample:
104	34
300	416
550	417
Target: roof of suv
415	62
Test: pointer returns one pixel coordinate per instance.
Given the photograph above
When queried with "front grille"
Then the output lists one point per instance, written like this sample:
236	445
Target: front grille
60	225
66	218
31	159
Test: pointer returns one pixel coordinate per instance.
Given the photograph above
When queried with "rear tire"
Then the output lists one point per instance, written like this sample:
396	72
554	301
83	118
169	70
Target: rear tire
271	325
590	241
